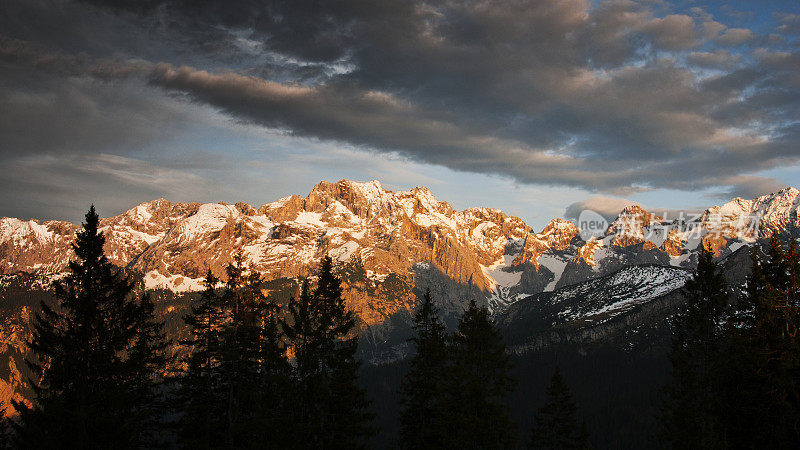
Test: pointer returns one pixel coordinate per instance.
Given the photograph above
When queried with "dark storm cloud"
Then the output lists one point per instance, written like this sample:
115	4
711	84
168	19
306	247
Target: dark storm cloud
303	29
53	116
611	97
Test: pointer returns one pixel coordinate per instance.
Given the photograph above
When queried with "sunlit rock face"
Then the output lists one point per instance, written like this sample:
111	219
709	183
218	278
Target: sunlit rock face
381	235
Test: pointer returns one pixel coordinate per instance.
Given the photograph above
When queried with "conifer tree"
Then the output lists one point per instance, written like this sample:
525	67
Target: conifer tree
764	354
199	395
270	417
331	406
252	360
691	416
233	389
478	384
95	357
555	425
422	416
777	271
239	353
301	331
793	268
147	364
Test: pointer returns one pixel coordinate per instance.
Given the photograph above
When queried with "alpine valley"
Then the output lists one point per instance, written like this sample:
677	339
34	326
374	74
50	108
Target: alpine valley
599	308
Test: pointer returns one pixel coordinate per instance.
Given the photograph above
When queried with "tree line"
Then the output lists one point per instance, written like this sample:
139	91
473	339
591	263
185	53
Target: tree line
736	356
255	375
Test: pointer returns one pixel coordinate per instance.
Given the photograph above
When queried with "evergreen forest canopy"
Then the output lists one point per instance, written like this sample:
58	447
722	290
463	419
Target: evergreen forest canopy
258	374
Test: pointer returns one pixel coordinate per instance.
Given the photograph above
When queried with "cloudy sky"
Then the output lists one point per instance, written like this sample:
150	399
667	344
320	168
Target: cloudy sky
535	107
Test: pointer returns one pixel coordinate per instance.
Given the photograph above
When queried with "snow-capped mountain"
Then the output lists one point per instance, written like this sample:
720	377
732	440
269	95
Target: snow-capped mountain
406	234
388	233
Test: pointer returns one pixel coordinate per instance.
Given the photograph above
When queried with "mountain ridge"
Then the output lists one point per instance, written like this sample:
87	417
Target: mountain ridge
402	233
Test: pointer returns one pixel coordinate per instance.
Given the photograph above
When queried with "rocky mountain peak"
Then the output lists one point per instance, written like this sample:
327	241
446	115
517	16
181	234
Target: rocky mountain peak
558	233
633	213
35	246
629	226
365	200
760	217
789	192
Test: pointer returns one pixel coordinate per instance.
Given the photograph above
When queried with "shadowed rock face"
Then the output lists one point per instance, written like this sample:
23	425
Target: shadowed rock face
595	309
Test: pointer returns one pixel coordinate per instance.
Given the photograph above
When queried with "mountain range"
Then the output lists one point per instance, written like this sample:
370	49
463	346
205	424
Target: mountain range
549	287
390	234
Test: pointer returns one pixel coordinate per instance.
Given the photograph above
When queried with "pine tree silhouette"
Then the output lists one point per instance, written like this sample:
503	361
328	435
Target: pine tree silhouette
555	425
331	407
762	407
95	358
777	271
691	411
239	355
270	402
233	391
478	384
302	333
423	414
199	395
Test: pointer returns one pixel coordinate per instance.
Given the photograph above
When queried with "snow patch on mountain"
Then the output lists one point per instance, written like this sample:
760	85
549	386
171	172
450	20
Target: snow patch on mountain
174	283
210	217
309	218
498	274
619	292
345	251
114	232
16	230
555	264
502	278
